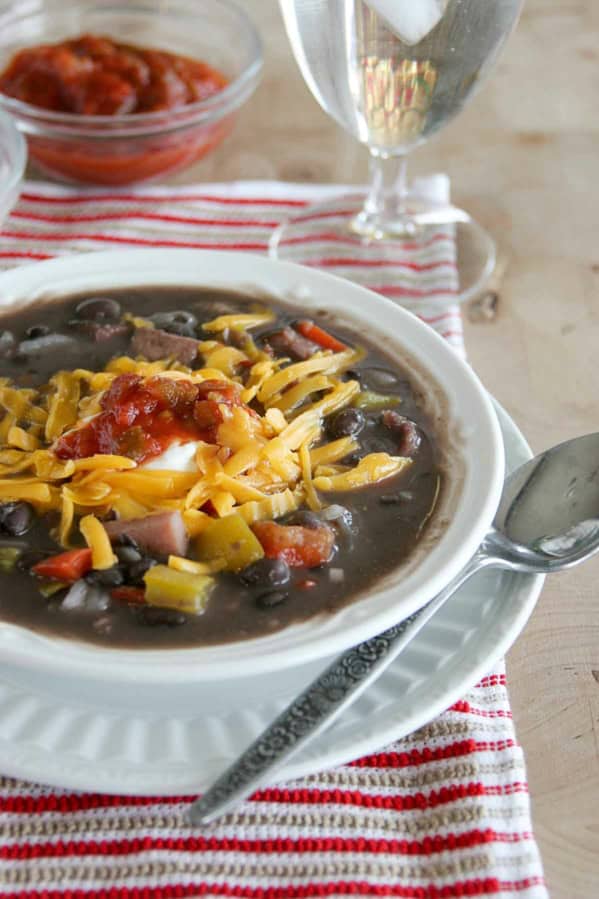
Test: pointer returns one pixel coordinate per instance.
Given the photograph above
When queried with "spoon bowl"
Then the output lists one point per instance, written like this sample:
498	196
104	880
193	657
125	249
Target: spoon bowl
550	495
547	520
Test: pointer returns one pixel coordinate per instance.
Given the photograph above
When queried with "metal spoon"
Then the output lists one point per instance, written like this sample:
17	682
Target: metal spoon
547	520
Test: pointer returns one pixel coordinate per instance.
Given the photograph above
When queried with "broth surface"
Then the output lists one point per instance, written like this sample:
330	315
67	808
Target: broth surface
387	519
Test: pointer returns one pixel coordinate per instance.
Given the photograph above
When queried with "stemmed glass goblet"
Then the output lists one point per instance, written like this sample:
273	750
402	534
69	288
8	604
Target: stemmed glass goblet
391	73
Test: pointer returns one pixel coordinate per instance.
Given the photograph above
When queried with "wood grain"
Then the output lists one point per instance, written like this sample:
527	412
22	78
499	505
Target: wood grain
523	159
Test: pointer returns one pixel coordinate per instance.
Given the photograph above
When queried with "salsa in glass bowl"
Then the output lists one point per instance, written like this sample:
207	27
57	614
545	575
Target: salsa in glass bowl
114	95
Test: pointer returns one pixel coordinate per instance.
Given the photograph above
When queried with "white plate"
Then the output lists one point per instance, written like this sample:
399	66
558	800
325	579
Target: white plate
455	399
178	739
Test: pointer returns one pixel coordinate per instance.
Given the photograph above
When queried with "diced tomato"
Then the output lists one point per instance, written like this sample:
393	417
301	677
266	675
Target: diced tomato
120	390
176	395
207	414
134	595
318	335
67	567
77	444
141	418
298	546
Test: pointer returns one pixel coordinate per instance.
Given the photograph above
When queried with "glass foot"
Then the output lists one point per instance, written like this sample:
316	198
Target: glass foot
436	255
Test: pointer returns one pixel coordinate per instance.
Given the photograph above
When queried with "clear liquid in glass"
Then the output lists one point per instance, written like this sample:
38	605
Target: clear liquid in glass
386	73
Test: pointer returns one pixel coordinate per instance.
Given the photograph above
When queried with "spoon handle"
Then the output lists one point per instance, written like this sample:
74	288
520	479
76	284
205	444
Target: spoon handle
318	705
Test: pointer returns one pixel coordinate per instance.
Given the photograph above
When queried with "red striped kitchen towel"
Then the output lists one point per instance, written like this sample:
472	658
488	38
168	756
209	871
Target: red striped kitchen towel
442	813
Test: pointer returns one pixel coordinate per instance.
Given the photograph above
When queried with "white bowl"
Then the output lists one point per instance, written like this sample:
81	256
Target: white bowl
467	423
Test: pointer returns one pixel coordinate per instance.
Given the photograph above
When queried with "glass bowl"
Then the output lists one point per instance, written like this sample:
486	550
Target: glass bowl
122	149
13	158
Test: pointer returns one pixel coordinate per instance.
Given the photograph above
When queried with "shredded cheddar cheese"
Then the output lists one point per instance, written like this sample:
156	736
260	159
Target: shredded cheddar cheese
238	320
98	541
180	563
306	466
63	405
259	464
22	439
369	470
333	452
67	515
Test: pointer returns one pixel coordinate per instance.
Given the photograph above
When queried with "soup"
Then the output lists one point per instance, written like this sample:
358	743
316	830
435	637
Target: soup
185	467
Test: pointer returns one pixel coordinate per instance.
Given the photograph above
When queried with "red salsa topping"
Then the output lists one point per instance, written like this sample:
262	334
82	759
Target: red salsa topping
140	419
95	75
298	546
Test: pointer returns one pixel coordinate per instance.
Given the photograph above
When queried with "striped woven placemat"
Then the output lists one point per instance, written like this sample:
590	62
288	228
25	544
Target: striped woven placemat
442	813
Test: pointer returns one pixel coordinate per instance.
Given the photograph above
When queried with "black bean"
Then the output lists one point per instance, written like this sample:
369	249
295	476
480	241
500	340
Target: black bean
304	518
107	577
266	573
183	316
16	518
98	309
268	600
136	570
380	379
128	555
353	375
153	616
8	344
35	331
347	423
180	329
180	322
47	343
126	540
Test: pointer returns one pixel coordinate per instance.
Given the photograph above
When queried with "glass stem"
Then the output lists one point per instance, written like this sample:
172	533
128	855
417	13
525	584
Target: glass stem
384	213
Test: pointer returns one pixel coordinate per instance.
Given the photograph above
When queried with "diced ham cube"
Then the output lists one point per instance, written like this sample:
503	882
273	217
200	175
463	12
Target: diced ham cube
298	546
153	344
163	533
289	343
407	432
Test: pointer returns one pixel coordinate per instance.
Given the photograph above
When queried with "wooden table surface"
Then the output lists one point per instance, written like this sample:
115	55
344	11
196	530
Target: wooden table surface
523	158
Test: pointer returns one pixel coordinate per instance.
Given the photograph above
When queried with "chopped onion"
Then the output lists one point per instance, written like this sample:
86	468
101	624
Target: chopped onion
338	513
76	596
336	575
82	596
97	600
